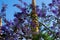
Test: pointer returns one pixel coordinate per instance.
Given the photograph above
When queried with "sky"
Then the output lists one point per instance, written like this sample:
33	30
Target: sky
11	10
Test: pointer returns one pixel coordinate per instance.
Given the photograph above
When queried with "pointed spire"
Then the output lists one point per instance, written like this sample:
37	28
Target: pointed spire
34	17
34	5
0	22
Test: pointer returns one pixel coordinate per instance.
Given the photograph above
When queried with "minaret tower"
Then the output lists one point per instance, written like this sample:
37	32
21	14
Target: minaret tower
0	25
0	22
35	24
34	17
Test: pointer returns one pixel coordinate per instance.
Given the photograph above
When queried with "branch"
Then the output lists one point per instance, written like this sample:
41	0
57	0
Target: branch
54	34
47	28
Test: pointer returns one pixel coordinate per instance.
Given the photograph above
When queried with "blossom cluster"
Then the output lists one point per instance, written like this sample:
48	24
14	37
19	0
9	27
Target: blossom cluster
48	18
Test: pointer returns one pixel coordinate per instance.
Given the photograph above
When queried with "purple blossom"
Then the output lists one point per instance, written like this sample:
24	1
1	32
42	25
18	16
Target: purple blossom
7	22
33	24
52	27
25	4
18	14
3	8
17	5
58	1
58	34
37	9
3	28
41	14
54	11
2	14
22	9
12	28
51	5
31	5
15	21
54	1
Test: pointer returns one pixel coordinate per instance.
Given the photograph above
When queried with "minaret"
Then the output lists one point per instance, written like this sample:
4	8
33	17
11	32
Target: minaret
34	5
0	26
34	17
35	24
0	22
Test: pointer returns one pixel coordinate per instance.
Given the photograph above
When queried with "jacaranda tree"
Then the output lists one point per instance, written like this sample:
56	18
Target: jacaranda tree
32	22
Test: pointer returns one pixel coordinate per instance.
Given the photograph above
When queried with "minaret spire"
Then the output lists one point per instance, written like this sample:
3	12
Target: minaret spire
34	16
0	21
35	24
34	5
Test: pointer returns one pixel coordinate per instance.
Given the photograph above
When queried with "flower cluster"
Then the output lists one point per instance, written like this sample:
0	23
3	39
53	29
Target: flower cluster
26	22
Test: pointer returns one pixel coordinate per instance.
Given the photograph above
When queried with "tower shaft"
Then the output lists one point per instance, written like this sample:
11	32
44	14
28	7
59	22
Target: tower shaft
34	5
0	25
0	21
34	17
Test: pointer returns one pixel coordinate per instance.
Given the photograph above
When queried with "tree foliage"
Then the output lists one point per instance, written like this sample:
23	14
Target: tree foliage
21	26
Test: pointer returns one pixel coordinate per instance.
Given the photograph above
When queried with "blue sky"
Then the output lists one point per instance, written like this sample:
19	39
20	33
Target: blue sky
11	10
